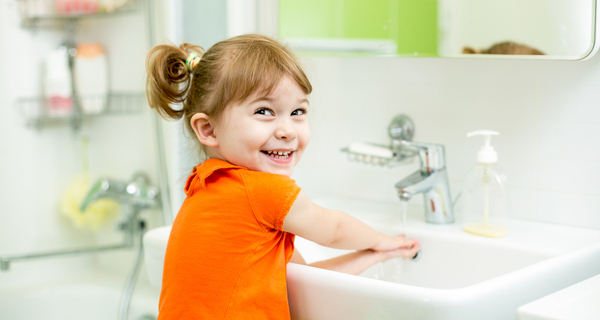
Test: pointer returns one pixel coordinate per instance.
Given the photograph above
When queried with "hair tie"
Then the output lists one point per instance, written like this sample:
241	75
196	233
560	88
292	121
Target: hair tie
192	61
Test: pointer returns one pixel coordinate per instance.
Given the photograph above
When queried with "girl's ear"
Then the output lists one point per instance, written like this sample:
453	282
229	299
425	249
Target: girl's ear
205	132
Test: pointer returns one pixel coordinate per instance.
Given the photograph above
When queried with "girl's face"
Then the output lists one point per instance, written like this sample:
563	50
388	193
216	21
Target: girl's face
265	133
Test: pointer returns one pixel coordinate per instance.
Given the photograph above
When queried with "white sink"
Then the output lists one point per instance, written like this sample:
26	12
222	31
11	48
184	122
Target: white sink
577	302
456	275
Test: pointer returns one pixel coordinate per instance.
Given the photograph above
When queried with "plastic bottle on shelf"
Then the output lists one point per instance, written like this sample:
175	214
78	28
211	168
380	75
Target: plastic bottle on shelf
38	8
485	200
76	6
110	5
58	89
91	77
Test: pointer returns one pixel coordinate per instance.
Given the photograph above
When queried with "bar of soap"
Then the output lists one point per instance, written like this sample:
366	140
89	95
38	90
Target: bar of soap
371	150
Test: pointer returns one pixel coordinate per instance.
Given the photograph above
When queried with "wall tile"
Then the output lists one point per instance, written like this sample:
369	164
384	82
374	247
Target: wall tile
569	209
545	111
570	140
523	203
569	176
569	103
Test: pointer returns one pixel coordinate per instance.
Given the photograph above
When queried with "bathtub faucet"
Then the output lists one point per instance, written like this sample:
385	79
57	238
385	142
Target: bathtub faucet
431	180
137	192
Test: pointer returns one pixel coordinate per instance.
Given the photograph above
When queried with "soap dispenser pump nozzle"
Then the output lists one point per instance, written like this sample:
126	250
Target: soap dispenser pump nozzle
486	153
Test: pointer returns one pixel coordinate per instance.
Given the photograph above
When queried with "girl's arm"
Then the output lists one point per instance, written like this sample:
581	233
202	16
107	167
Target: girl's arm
333	228
358	261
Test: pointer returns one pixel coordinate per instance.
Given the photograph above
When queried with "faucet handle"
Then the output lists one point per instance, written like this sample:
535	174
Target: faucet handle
401	128
431	155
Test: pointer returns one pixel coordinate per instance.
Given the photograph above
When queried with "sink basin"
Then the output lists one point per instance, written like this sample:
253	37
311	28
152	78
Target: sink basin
455	276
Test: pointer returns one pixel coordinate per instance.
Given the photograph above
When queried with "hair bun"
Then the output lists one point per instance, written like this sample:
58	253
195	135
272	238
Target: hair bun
169	77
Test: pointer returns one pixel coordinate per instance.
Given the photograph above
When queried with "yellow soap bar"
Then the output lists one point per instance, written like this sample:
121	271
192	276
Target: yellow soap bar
481	229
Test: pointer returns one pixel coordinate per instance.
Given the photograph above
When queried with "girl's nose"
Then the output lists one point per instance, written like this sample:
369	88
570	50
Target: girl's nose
285	131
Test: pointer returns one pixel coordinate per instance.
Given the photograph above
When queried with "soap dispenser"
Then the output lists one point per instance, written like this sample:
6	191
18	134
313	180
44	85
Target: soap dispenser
485	201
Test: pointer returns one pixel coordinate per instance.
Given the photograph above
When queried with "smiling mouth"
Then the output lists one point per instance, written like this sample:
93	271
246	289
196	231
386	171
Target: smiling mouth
278	154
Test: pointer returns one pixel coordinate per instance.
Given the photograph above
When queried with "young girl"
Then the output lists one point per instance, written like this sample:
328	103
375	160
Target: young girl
245	100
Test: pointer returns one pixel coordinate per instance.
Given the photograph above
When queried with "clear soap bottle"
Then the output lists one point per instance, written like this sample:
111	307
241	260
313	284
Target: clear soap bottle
485	199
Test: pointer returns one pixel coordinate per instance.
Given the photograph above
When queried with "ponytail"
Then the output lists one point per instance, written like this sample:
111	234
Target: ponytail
169	79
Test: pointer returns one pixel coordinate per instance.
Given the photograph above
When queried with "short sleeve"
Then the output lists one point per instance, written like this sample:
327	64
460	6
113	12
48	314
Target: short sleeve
271	196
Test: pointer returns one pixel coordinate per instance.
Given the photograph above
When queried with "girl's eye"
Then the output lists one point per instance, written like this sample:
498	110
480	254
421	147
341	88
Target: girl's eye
264	111
299	112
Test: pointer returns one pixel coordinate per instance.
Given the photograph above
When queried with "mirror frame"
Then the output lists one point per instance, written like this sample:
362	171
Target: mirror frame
261	16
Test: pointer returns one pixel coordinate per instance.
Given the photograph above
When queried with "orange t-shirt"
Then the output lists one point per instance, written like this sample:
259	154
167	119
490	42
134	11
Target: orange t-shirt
227	255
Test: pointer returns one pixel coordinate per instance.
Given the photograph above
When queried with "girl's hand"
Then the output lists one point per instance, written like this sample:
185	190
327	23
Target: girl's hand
397	247
409	250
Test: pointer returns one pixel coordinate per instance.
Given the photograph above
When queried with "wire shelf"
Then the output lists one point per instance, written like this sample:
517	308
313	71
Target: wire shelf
398	155
46	13
40	111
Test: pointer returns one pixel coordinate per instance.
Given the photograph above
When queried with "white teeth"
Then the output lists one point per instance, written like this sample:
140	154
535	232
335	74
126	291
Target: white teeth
279	154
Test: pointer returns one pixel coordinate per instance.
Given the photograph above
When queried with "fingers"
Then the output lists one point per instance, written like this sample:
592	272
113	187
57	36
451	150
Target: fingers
404	242
395	242
411	253
408	250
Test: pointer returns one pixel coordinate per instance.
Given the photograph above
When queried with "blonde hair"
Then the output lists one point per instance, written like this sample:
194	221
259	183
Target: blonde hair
228	72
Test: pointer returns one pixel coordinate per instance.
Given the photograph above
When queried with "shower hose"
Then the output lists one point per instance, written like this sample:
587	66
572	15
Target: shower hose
129	286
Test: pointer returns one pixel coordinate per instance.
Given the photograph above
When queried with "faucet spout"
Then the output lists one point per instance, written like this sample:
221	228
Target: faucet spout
415	183
432	181
102	188
137	192
436	194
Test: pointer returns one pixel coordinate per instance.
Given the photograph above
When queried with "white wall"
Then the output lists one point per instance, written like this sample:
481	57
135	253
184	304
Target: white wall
547	113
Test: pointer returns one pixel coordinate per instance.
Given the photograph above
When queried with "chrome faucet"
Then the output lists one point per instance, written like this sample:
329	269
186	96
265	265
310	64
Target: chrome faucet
137	192
431	180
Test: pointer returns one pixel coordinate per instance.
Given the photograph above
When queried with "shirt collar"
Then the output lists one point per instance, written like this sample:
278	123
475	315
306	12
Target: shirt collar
203	171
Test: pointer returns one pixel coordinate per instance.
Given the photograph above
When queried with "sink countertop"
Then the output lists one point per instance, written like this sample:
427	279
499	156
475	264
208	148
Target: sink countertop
552	238
580	301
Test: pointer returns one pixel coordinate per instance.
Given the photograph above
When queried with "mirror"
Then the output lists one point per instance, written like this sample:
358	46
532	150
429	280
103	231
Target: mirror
524	29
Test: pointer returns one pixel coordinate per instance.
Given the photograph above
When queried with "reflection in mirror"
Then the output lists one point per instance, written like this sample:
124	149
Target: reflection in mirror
547	29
